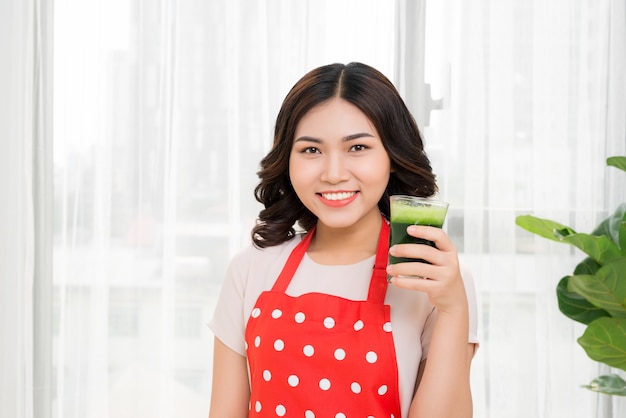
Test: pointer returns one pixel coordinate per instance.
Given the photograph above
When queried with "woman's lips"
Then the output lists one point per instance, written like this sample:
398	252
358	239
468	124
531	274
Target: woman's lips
338	198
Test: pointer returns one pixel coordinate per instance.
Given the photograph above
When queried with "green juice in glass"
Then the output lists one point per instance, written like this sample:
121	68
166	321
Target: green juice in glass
410	210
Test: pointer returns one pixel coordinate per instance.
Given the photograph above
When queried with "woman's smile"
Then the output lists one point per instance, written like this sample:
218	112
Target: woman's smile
338	199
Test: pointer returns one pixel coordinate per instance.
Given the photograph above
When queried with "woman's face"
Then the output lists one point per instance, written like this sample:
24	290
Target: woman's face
338	166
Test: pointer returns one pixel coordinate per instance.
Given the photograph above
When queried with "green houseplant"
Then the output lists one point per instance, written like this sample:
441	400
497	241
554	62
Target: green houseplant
595	294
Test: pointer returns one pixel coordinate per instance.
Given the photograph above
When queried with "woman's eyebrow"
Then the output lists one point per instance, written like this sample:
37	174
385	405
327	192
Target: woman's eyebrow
344	139
308	139
357	136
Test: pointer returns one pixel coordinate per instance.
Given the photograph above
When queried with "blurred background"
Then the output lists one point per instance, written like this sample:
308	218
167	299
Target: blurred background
132	131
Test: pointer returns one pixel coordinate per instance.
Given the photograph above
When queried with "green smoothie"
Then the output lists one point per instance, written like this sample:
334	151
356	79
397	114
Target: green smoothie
409	210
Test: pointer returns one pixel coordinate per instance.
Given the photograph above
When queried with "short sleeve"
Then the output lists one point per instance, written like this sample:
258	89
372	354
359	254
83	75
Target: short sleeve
470	291
250	272
427	332
228	323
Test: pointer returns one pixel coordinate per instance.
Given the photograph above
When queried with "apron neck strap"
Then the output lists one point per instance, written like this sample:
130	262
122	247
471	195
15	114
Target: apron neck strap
290	267
378	282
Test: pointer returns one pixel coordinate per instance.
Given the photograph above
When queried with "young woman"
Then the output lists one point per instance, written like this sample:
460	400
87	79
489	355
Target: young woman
307	324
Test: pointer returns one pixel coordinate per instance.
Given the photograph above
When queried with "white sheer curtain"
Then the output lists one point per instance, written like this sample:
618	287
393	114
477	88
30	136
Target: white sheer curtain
16	222
534	100
25	211
162	110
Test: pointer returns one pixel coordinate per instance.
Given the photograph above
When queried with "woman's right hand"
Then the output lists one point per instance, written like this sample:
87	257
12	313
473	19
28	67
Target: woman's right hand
441	279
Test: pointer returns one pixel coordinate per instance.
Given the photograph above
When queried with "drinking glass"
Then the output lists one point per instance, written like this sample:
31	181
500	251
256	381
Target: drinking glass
412	210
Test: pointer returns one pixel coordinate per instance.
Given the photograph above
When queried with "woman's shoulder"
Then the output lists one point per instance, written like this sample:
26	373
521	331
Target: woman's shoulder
256	259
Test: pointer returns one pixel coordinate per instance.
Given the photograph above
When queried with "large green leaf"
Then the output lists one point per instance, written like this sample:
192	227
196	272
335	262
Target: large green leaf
611	225
617	162
587	266
604	340
544	227
600	248
575	306
609	384
603	289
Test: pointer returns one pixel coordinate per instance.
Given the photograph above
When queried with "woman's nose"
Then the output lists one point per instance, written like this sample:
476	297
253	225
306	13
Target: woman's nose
335	170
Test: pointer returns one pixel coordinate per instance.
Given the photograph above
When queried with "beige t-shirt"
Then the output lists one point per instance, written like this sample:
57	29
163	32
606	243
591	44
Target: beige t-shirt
255	270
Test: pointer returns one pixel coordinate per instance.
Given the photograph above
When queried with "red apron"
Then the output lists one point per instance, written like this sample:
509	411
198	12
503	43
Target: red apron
323	356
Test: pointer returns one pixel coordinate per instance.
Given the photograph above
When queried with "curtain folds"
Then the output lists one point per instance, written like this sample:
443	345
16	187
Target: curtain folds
25	213
42	189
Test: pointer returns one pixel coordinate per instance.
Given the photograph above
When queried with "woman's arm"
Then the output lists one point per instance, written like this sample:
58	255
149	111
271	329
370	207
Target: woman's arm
230	394
443	387
438	390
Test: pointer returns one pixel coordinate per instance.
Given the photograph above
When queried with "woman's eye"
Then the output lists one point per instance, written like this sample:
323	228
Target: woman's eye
358	147
310	150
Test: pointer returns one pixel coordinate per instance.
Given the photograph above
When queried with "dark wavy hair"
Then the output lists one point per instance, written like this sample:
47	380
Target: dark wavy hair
371	92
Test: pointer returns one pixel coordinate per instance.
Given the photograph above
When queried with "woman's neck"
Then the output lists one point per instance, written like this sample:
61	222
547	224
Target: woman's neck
332	246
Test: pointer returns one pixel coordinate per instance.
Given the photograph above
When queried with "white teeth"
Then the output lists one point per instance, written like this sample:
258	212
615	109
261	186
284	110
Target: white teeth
338	196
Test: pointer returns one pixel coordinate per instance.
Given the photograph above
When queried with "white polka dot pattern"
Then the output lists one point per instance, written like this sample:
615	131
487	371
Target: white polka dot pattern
279	345
329	322
299	317
283	371
293	380
308	350
355	387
